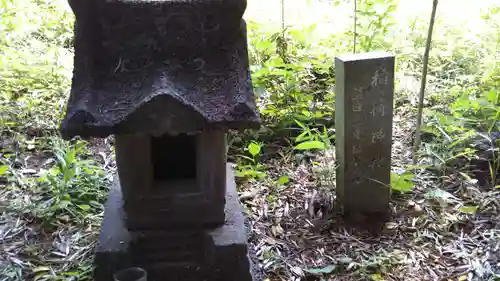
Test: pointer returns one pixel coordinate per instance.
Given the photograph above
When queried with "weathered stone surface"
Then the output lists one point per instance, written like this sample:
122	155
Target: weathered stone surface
173	216
230	247
160	201
159	66
363	118
112	252
191	254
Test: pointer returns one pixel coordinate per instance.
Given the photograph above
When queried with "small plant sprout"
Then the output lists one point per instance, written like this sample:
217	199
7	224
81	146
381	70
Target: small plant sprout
249	167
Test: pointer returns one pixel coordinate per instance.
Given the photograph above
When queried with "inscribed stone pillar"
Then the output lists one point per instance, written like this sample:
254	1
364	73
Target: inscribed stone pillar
363	122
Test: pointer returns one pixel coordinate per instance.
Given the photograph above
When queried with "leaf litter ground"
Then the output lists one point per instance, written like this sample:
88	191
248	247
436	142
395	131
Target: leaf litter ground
298	236
295	231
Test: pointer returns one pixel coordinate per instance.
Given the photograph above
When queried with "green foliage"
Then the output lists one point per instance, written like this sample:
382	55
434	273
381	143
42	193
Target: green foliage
477	109
402	183
250	167
254	149
73	185
312	138
469	209
374	21
469	119
283	180
293	79
466	111
3	169
35	62
307	145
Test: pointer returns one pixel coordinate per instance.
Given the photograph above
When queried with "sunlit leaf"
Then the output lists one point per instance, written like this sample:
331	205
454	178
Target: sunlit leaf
491	96
254	148
69	173
250	173
70	157
469	209
84	207
283	180
402	183
310	145
377	277
3	169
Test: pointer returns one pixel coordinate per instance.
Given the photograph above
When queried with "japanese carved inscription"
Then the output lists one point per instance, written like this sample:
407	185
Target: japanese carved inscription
364	97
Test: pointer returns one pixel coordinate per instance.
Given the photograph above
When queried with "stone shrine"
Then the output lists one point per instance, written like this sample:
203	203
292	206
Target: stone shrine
167	78
363	125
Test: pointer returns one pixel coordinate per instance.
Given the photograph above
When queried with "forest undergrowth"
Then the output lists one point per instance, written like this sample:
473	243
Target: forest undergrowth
445	211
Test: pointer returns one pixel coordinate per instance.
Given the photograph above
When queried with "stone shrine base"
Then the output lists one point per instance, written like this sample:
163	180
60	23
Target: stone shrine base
219	254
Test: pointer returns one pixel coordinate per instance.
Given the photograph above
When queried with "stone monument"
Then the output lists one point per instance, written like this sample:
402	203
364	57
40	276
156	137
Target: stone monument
363	123
167	78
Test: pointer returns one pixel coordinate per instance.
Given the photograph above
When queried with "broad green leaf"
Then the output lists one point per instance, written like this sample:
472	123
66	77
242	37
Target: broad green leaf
310	145
254	149
377	277
260	175
252	173
70	157
469	209
491	96
3	169
69	173
321	271
84	207
283	180
79	146
402	183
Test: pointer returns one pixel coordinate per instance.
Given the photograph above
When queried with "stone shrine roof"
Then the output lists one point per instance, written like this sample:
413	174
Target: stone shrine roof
174	66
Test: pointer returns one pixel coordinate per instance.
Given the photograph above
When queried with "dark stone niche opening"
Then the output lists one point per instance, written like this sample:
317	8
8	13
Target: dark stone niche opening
174	158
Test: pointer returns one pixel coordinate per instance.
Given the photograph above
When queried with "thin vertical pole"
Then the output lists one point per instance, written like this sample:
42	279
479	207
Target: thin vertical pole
355	22
422	85
282	15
